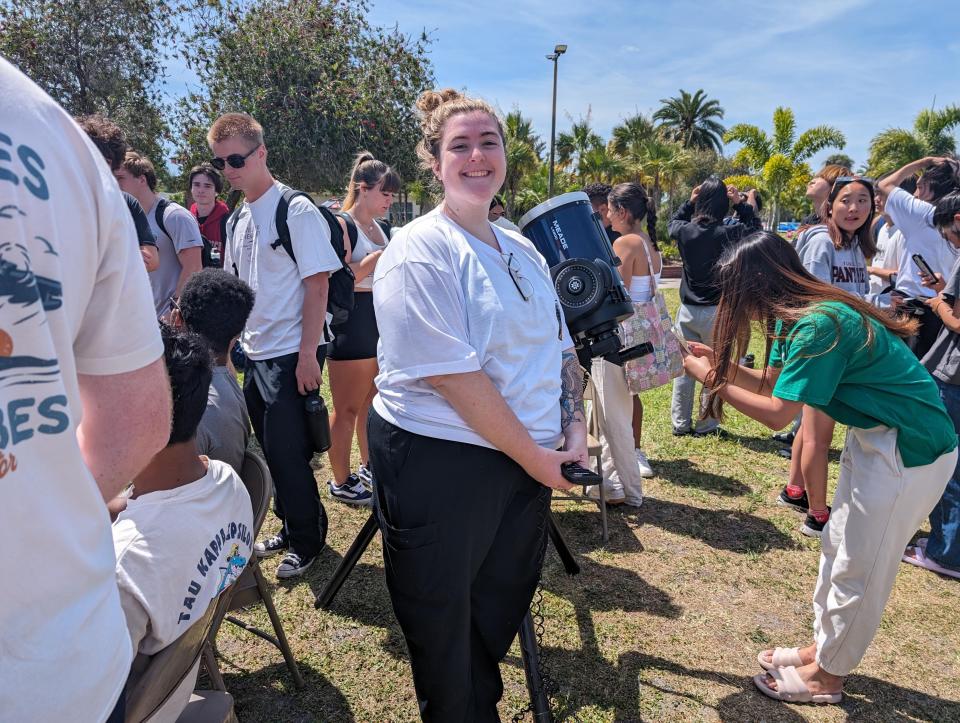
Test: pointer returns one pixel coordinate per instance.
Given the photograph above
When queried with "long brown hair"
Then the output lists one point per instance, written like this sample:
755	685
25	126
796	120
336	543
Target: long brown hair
368	171
762	279
863	236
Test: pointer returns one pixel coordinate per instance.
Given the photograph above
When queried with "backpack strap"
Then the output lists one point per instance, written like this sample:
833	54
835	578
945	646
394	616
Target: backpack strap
158	214
230	224
352	232
280	219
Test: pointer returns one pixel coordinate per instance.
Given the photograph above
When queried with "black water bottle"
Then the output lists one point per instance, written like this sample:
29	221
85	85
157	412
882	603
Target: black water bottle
318	421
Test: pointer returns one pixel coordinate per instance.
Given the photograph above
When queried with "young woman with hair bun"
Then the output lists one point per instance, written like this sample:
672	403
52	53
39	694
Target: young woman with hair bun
352	359
624	463
479	404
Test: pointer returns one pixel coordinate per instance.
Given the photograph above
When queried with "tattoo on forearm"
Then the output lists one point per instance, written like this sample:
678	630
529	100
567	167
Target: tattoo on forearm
571	391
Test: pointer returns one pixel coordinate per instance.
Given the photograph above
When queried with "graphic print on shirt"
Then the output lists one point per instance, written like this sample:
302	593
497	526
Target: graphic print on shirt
235	563
850	275
27	358
231	571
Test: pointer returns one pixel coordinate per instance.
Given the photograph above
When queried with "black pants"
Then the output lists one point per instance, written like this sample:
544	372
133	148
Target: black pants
279	422
930	326
464	534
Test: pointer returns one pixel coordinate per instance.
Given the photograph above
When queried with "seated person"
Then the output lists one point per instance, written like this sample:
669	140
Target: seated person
187	530
215	304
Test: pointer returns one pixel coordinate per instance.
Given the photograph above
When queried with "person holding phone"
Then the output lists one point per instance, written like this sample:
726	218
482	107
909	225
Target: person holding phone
479	404
940	552
833	351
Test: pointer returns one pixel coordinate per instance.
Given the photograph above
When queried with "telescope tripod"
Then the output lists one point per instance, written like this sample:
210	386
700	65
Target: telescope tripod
529	652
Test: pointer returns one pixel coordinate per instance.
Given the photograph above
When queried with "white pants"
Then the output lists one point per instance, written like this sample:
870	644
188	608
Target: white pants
621	471
878	506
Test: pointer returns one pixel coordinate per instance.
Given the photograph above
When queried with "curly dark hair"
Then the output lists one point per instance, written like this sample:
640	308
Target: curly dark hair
597	192
190	369
107	136
215	304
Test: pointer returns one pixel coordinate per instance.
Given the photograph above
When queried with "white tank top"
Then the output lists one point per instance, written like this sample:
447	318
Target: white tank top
640	287
363	248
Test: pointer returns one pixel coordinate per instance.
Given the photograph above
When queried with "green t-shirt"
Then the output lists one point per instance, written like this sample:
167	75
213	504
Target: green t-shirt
827	364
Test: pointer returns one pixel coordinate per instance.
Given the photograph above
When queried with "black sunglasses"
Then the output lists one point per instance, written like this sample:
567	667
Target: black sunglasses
844	180
234	159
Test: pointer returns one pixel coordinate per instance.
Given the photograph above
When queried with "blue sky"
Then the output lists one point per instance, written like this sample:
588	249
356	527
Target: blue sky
859	65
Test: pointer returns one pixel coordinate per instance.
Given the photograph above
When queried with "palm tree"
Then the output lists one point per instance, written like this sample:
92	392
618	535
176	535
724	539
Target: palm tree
572	146
523	149
634	130
689	119
600	164
660	161
932	135
838	159
777	161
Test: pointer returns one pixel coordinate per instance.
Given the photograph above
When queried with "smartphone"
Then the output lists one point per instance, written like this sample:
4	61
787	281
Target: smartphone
682	342
579	475
923	265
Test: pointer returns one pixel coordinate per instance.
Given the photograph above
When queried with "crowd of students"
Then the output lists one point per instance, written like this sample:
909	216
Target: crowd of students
445	349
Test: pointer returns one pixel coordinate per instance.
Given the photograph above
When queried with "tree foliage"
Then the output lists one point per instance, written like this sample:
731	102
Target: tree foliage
933	134
523	150
96	57
690	119
322	81
777	162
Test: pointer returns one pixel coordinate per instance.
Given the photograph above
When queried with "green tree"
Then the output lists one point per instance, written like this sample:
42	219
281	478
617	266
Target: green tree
839	159
96	57
933	134
573	146
690	119
523	149
775	162
634	131
318	76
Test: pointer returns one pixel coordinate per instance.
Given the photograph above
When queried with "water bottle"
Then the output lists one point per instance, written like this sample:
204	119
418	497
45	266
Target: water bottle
318	421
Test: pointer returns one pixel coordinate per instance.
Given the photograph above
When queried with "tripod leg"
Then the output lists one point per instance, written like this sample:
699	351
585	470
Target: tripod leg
350	560
531	668
569	564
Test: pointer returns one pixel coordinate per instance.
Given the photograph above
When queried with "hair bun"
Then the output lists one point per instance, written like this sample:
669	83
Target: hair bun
430	100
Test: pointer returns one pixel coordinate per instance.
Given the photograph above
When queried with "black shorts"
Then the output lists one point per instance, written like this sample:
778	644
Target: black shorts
357	337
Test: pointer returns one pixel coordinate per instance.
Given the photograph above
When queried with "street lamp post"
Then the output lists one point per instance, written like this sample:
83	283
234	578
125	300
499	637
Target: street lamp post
554	56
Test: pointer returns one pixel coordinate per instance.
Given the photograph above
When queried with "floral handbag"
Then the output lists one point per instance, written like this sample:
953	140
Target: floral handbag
651	323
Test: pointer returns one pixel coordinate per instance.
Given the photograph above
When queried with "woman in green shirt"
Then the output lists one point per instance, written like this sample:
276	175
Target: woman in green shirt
833	351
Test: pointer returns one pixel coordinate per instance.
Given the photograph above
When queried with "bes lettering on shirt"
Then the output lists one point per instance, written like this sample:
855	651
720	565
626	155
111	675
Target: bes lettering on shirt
29	161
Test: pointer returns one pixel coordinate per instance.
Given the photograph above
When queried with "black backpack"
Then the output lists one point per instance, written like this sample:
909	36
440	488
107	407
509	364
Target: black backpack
209	255
352	227
340	293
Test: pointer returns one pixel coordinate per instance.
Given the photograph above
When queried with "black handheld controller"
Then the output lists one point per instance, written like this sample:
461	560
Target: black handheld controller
579	475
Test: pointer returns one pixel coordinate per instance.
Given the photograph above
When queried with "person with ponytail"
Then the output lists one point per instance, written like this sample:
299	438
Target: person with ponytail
702	237
833	351
479	403
836	252
352	359
624	463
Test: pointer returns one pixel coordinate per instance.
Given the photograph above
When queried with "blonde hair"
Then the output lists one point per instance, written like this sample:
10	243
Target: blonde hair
832	171
437	108
140	167
231	125
368	171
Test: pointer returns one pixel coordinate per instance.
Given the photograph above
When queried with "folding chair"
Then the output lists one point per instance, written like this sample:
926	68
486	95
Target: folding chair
154	679
594	450
251	587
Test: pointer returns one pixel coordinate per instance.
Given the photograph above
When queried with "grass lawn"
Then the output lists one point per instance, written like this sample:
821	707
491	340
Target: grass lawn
662	624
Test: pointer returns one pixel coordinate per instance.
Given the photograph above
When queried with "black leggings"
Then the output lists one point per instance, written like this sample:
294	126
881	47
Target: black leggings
464	534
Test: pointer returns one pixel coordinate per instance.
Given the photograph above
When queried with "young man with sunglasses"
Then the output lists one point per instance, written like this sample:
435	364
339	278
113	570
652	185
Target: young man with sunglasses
178	238
283	335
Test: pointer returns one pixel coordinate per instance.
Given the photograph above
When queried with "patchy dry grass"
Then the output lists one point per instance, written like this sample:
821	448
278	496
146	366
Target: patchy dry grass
662	624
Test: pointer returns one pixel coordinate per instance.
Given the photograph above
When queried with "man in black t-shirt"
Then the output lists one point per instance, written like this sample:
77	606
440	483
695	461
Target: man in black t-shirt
598	193
111	141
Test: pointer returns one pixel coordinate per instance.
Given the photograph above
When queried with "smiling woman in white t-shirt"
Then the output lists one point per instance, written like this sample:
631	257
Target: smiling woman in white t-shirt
479	387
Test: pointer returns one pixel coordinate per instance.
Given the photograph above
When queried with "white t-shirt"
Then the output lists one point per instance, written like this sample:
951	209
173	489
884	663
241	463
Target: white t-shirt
914	218
889	250
74	299
446	304
504	222
276	322
183	232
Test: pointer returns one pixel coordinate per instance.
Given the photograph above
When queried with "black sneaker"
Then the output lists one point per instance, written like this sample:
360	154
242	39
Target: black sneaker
800	504
783	437
293	565
271	545
682	432
811	527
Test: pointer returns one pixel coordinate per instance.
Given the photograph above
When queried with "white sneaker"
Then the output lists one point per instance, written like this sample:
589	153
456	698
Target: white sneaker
645	469
611	497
